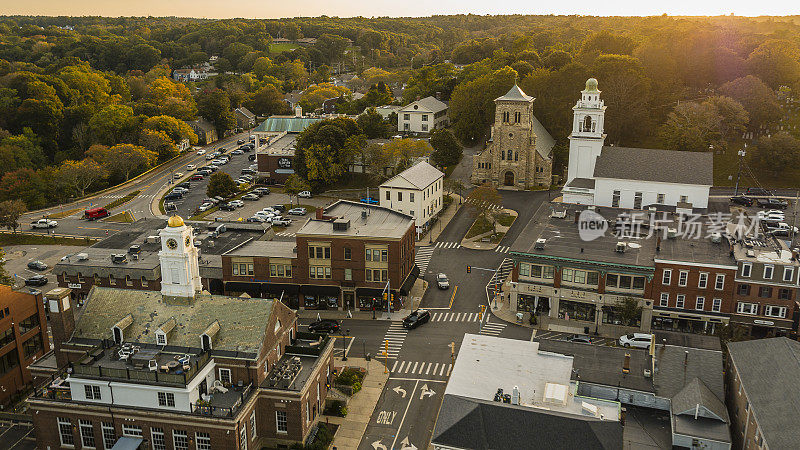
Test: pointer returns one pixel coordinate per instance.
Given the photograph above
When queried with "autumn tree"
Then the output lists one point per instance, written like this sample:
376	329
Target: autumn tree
10	212
776	62
295	185
776	153
221	184
123	159
267	101
78	176
402	152
112	123
215	106
757	98
483	200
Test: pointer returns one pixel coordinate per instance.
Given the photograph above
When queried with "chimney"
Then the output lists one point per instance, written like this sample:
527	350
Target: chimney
320	213
658	243
62	320
438	95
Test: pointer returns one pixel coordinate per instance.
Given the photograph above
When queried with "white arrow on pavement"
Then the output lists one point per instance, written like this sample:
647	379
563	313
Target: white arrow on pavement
398	390
377	445
405	445
426	391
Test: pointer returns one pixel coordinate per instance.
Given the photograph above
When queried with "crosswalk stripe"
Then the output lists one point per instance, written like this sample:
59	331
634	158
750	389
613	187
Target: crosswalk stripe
435	367
458	317
394	365
449	366
441	371
402	364
415	367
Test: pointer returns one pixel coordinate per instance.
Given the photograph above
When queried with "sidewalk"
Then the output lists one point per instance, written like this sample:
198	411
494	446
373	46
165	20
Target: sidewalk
358	315
444	218
361	405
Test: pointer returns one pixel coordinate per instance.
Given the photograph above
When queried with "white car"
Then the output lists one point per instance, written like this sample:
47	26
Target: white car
636	340
205	207
236	203
178	175
770	217
209	157
44	223
304	194
283	221
264	214
201	152
190	167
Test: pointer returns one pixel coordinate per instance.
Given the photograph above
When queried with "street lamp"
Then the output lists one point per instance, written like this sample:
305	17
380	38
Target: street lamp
344	334
741	154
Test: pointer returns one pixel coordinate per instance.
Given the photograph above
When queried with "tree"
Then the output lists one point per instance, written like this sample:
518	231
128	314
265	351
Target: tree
314	96
454	186
446	149
324	165
262	67
78	176
776	62
373	124
692	126
626	93
5	278
215	105
776	153
472	103
10	212
267	101
143	57
221	184
483	200
401	152
111	123
26	185
158	143
176	130
123	159
757	98
734	116
629	311
332	47
295	185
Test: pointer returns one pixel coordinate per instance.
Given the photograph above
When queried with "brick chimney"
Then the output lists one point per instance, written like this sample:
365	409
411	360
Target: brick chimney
62	320
320	213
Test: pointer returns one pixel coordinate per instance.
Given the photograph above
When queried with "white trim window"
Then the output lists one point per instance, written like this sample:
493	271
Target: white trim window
109	435
768	270
166	399
775	311
87	433
281	423
157	437
788	274
666	277
716	305
679	300
132	430
65	432
747	269
253	432
225	376
719	283
203	440
683	278
702	281
243	438
747	308
180	440
92	392
664	299
700	303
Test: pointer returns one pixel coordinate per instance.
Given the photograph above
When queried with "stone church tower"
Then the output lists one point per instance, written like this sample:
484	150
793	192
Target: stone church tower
519	151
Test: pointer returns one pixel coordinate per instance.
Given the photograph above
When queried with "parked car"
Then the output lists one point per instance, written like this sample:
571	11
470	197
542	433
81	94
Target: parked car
262	190
416	318
282	221
298	211
36	280
580	338
247	177
170	207
237	203
324	326
190	167
178	175
442	281
227	207
251	158
237	152
185	185
210	156
173	196
742	200
37	265
201	152
771	216
304	194
240	141
44	223
280	208
773	202
180	190
220	198
258	219
636	340
222	150
205	207
212	167
780	227
212	200
757	191
198	177
248	171
250	197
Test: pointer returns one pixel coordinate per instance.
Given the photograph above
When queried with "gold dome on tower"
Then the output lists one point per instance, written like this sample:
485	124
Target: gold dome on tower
175	221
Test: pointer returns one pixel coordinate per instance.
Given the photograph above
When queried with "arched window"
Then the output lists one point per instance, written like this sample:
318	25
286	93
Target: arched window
587	123
502	154
517	117
505	116
510	154
516	156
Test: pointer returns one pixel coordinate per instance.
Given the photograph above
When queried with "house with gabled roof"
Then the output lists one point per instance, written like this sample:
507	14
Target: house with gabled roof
422	116
416	191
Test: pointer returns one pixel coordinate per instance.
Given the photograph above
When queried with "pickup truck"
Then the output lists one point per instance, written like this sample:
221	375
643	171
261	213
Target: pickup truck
44	223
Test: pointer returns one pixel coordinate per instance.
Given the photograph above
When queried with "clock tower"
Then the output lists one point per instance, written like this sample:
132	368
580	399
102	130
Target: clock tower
587	138
180	273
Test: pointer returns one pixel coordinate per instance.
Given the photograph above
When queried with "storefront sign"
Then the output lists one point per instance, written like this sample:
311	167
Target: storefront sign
285	163
74	285
763	322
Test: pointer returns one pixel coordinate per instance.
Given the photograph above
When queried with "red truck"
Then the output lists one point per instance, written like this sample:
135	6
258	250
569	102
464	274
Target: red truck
95	213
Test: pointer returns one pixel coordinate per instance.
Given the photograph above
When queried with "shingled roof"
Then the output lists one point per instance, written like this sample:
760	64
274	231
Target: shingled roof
666	166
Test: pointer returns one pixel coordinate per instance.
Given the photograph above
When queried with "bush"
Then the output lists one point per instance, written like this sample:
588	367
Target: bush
336	408
352	378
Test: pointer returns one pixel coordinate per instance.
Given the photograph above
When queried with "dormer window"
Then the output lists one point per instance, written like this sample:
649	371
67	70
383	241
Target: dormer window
161	338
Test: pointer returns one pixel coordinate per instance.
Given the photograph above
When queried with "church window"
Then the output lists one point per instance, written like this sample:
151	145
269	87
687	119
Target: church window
502	154
505	116
510	154
516	156
517	117
587	123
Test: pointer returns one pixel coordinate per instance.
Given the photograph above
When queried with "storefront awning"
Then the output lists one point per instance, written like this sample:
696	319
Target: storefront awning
316	289
252	289
405	288
370	292
277	288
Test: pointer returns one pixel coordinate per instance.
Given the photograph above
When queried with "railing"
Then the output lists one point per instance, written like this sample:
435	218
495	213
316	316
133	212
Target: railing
306	350
139	375
208	409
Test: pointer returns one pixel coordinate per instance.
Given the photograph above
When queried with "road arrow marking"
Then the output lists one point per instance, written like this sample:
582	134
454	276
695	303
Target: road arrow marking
426	391
406	445
377	445
398	390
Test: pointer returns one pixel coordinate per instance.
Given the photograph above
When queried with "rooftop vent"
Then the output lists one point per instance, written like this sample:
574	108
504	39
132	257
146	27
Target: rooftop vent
82	256
341	224
672	233
716	238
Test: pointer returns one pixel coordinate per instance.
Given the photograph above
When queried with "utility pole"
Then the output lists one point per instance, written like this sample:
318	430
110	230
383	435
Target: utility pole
742	154
452	346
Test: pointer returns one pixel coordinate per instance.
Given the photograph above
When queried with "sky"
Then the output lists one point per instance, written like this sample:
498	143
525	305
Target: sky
393	8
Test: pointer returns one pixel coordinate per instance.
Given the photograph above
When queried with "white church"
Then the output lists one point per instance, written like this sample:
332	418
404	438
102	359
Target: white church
631	178
180	272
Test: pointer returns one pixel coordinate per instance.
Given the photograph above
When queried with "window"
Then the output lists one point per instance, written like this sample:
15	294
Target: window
660	198
716	305
87	433
679	299
517	117
743	289
225	376
765	291
157	436
388	195
768	269
699	304
80	278
664	299
203	441
166	399
131	430
65	432
29	324
637	200
8	361
684	199
128	281
406	116
788	273
424	117
384	255
411	213
280	422
242	438
784	294
92	392
280	270
775	311
399	196
506	116
628	282
411	196
109	435
525	269
683	278
747	308
702	282
161	339
32	346
348	253
502	155
7	337
746	269
111	280
253	425
615	199
180	440
666	277
720	282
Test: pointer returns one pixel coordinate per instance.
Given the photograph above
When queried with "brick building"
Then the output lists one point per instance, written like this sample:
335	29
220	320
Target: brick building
23	339
344	257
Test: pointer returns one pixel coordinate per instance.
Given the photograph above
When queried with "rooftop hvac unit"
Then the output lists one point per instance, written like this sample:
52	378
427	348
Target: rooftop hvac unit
751	253
82	256
590	409
515	396
153	239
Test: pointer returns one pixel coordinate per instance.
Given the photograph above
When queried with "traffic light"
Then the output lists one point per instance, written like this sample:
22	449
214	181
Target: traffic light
385	296
469	269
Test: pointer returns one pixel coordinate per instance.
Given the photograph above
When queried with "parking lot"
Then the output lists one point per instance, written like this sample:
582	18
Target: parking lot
18	257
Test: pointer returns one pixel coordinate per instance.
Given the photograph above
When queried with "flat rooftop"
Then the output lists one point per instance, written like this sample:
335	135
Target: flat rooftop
379	222
273	249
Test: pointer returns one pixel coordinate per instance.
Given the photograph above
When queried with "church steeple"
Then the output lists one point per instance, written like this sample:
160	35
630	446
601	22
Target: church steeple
587	138
180	273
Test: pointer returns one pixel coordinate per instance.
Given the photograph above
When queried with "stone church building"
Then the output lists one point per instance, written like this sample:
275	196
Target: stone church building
519	152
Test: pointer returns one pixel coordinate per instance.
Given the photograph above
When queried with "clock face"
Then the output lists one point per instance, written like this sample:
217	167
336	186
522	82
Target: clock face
187	241
172	244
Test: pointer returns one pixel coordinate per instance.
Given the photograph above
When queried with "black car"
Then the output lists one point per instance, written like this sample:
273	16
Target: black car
324	326
772	203
280	208
580	338
251	158
37	265
742	200
173	196
36	280
416	318
240	141
761	192
227	207
185	184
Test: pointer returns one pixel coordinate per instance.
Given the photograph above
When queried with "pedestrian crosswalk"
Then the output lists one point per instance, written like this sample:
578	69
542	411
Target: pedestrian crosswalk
483	204
492	329
116	196
455	317
286	234
424	368
393	339
423	258
502	272
447	245
502	249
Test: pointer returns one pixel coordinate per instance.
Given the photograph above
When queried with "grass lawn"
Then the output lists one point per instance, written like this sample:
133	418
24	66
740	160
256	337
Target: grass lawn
279	48
35	239
123	217
480	226
62	214
202	215
121	201
504	219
